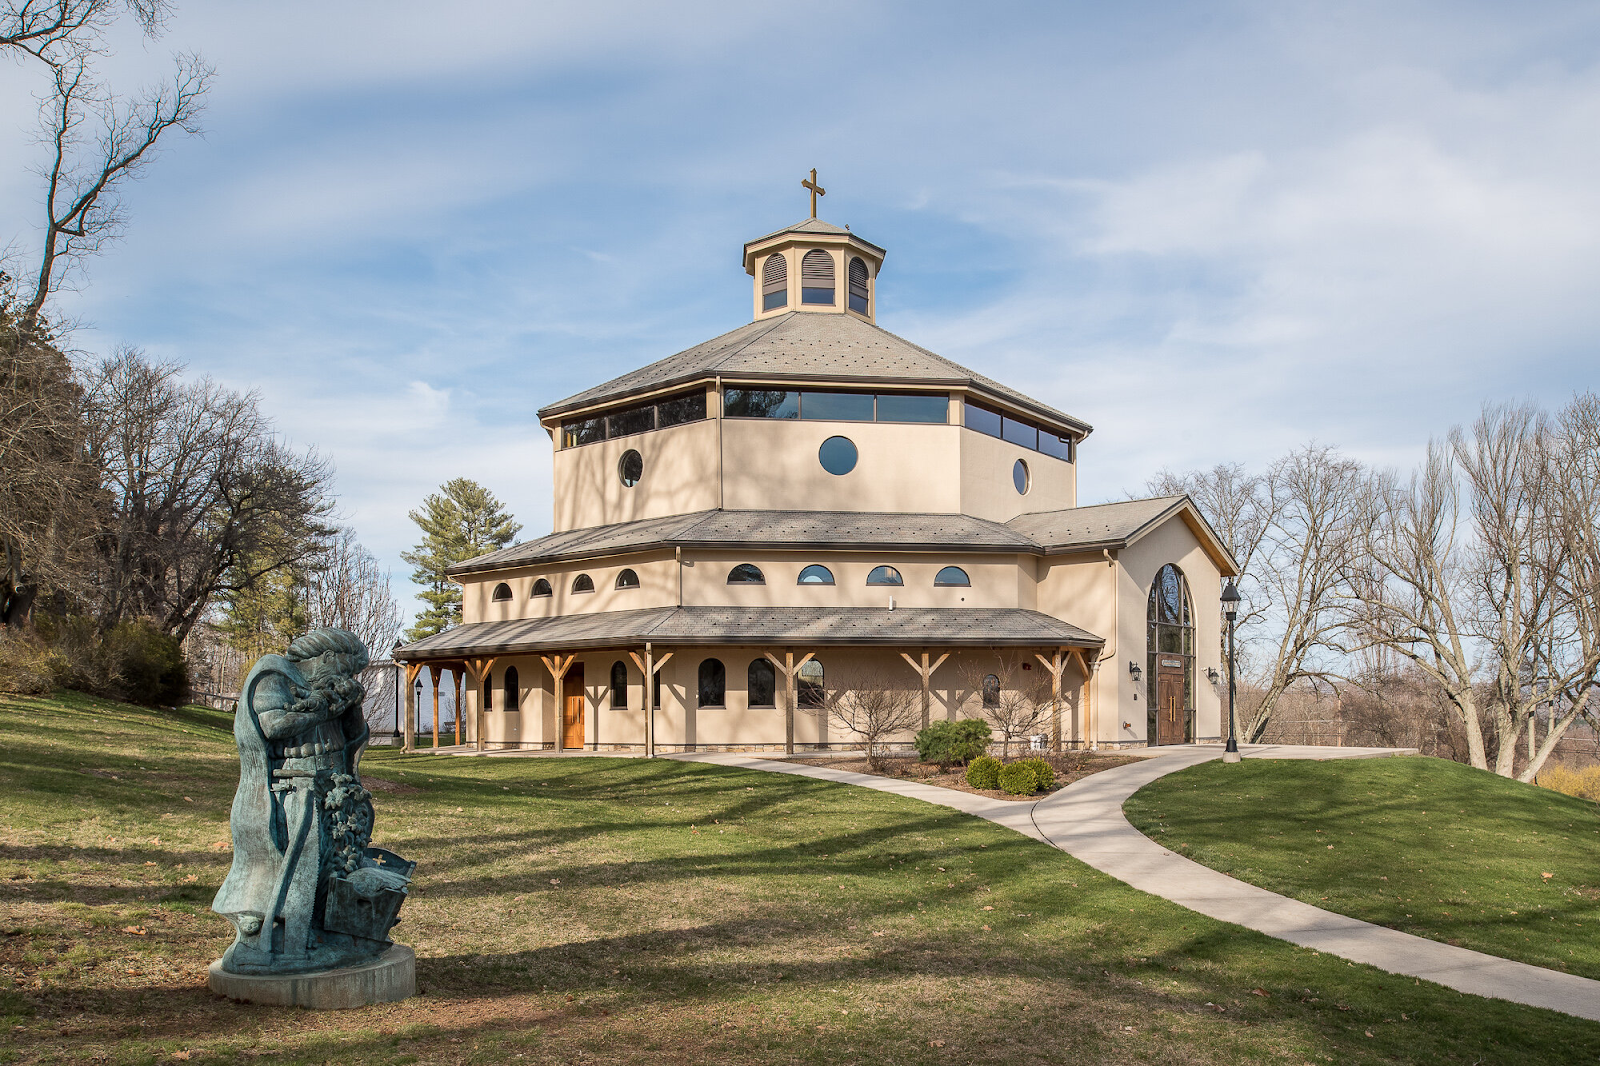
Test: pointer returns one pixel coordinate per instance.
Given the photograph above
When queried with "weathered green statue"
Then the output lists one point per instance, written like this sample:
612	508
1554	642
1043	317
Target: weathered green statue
307	891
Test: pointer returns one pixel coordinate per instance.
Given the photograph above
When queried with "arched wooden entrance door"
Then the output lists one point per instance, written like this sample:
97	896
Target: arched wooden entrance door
1170	673
572	714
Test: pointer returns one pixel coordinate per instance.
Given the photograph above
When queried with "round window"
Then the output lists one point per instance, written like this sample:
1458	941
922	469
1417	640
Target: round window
1019	477
837	455
630	468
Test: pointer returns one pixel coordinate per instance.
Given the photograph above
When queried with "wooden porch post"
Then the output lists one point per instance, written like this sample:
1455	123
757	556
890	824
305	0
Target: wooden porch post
455	674
412	670
790	670
649	666
558	668
1056	664
434	670
478	670
925	671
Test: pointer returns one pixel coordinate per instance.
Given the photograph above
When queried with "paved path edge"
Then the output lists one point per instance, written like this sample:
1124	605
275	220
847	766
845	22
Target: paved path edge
1086	821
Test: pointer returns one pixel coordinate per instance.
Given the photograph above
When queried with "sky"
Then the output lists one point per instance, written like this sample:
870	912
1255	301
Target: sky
1214	231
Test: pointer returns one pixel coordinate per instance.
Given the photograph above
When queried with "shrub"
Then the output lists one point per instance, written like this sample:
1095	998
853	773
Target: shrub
149	664
953	742
1018	779
1582	783
1044	775
29	666
984	772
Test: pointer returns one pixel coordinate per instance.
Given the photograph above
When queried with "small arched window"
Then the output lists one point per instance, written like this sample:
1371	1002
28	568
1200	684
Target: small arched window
746	574
488	692
774	281
513	692
951	577
541	587
627	580
583	583
619	685
884	575
713	683
816	278
809	691
858	285
815	574
761	684
502	591
991	691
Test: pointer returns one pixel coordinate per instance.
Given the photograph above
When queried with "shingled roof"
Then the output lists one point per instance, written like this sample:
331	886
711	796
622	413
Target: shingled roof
800	347
1107	525
985	627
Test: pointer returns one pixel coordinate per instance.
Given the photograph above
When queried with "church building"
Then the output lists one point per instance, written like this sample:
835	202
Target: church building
809	504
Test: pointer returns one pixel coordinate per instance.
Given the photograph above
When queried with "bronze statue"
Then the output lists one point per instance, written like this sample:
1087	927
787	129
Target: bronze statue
307	890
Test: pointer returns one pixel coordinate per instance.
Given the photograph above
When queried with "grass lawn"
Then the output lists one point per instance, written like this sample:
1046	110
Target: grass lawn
1422	845
618	910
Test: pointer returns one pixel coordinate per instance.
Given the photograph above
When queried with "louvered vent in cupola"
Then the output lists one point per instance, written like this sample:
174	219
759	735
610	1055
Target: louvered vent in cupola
858	285
774	282
816	278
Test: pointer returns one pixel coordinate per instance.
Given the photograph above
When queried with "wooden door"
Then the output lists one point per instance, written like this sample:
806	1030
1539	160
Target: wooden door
572	713
1169	700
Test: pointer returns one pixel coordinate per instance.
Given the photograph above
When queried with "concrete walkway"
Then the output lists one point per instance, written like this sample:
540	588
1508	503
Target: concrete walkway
1085	820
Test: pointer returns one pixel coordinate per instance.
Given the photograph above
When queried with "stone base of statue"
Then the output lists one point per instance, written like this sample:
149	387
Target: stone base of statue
389	977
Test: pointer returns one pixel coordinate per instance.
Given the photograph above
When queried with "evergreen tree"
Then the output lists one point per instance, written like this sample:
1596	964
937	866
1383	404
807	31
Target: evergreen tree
461	521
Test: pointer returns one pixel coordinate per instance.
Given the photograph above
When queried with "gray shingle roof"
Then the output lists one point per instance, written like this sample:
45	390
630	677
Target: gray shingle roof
800	529
759	626
1100	525
800	346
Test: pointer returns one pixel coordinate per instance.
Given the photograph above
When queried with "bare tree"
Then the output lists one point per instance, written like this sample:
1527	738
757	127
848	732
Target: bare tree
1482	572
346	588
875	706
56	31
202	498
1012	697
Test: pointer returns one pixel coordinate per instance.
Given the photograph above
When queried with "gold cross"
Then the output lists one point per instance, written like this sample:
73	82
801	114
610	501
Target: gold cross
816	190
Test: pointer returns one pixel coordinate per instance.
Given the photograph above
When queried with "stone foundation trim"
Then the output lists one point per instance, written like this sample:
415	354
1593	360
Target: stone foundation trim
388	978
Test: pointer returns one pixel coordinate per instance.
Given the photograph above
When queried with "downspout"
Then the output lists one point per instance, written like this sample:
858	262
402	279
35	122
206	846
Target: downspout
1116	620
721	466
677	554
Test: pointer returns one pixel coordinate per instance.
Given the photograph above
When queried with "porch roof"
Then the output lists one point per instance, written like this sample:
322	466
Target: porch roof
983	627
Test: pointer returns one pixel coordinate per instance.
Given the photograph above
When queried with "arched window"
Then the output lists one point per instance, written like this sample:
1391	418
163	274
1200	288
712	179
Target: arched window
619	685
808	684
991	691
884	575
858	285
627	580
746	574
502	591
1169	668
583	583
816	277
951	577
815	574
541	587
513	693
488	692
774	281
761	684
713	683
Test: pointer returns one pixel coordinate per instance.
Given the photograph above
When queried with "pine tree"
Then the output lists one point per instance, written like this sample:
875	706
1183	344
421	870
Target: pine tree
461	521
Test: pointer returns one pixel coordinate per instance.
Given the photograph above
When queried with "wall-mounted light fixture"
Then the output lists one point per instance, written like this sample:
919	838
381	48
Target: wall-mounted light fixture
1134	670
1213	675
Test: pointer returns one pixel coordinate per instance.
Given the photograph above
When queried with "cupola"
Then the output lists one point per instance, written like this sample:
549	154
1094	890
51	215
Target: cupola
814	266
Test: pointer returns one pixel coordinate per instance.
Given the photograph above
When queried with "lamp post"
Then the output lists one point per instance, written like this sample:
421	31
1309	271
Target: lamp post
399	685
1230	610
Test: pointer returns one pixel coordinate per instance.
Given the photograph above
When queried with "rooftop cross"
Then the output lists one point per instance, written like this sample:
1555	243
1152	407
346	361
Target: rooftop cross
816	190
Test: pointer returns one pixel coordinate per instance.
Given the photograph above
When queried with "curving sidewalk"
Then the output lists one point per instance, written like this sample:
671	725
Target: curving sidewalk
1085	820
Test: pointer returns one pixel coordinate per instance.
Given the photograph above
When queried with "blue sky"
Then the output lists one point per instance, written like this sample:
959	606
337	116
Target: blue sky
1214	231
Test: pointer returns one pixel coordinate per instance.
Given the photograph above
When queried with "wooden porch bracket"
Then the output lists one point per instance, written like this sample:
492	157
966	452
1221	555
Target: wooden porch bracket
925	671
479	669
1057	665
649	667
790	670
558	668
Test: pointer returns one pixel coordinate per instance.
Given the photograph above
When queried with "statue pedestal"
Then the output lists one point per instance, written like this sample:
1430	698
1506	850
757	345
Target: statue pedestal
389	977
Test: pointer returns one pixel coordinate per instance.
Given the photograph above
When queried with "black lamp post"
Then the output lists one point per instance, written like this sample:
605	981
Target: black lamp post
399	686
1230	610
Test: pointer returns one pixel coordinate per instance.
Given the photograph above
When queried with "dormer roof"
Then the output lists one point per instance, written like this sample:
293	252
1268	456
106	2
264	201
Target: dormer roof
802	348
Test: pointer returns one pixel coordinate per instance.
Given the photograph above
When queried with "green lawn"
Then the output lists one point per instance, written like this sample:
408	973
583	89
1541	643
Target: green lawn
1422	845
616	910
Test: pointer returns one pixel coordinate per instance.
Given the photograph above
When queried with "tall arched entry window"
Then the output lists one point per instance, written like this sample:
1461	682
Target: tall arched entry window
1169	675
513	690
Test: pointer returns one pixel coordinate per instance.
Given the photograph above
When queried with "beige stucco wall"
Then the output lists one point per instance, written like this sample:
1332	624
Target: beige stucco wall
987	490
772	464
658	587
680	476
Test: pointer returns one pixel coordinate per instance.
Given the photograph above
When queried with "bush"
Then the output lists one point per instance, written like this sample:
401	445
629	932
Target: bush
1584	784
953	742
1018	779
29	666
135	661
984	772
1044	775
